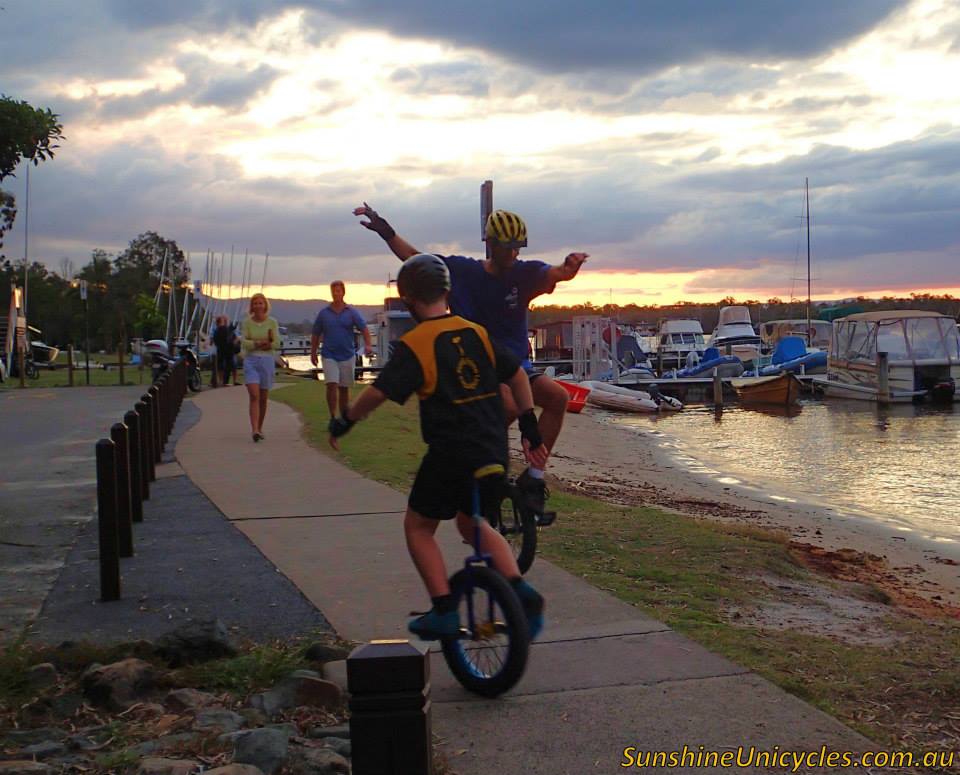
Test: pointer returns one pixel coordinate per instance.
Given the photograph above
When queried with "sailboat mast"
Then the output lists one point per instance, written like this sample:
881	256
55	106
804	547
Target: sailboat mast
806	185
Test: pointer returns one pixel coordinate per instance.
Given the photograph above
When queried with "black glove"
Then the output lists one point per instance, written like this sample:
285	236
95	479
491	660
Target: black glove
340	425
380	225
529	429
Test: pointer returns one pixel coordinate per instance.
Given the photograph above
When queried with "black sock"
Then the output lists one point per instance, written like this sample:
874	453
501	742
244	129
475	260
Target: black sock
443	604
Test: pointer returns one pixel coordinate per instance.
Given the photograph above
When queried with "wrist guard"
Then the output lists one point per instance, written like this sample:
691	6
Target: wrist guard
529	429
381	227
340	425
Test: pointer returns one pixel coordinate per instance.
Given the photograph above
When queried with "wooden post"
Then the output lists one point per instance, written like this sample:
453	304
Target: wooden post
717	388
883	377
135	448
70	365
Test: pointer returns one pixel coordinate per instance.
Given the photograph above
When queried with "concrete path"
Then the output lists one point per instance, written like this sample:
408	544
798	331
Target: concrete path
47	485
602	678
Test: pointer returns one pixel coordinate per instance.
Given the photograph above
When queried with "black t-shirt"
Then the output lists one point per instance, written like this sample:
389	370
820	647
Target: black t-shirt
456	370
223	338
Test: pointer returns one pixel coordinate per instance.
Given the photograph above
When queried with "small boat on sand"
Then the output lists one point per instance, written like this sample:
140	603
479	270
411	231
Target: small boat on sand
623	399
782	389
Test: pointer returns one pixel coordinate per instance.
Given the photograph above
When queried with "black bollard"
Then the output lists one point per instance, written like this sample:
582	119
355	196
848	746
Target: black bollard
156	431
107	520
132	421
118	435
390	723
146	429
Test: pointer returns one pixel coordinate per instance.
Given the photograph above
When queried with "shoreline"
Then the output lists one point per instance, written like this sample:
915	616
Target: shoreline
630	467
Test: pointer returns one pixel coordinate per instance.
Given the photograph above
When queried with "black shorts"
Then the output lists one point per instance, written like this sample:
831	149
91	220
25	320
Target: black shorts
444	487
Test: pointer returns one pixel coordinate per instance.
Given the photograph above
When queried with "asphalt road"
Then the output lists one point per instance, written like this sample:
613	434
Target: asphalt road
47	486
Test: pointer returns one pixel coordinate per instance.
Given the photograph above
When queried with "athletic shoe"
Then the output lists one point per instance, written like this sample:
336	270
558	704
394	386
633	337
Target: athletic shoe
534	492
532	602
434	626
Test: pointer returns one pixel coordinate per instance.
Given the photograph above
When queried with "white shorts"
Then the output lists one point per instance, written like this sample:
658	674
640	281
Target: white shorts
258	370
338	372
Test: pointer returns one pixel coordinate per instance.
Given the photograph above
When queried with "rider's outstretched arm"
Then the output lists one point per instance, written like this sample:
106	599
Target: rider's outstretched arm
400	247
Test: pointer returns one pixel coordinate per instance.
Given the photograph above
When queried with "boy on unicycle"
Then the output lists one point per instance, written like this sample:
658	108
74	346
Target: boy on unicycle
456	370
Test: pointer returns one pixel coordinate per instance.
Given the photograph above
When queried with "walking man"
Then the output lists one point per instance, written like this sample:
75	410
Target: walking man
496	293
335	326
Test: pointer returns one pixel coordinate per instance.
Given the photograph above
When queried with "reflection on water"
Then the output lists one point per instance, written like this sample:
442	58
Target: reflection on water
897	462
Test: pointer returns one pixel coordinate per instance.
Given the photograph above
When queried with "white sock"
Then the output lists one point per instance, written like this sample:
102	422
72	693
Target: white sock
535	473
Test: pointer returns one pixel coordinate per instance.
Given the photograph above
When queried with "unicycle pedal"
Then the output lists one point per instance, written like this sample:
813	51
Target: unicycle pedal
546	519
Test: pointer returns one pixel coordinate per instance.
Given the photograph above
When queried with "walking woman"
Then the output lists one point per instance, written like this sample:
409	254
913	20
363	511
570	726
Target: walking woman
261	341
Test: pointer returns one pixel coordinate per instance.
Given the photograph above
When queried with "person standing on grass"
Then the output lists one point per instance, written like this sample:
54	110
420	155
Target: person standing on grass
225	338
335	326
496	293
261	343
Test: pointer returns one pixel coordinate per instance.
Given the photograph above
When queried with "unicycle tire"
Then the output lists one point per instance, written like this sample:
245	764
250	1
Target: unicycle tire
489	658
519	527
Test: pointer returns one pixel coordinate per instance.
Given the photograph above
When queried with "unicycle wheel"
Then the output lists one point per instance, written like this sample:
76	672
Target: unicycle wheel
519	527
490	655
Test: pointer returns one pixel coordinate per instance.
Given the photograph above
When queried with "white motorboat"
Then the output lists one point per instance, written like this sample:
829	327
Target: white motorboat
922	352
676	339
608	396
734	334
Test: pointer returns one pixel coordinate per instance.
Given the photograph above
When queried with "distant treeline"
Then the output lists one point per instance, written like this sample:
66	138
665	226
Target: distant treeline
771	309
120	294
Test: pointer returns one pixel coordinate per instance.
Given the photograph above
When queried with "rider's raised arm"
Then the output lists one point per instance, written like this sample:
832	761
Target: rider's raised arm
400	247
567	270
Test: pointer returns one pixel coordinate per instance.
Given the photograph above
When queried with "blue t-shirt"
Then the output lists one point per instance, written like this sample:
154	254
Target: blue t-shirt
336	328
499	304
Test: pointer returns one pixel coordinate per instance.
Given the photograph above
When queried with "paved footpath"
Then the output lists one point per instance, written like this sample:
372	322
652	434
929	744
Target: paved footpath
601	678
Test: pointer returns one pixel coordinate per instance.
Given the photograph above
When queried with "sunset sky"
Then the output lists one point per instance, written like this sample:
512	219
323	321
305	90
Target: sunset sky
670	140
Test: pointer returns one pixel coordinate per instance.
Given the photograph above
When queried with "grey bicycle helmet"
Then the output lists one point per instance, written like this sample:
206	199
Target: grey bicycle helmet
423	277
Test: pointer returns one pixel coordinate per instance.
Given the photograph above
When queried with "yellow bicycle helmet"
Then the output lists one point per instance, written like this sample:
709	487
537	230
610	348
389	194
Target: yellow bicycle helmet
506	228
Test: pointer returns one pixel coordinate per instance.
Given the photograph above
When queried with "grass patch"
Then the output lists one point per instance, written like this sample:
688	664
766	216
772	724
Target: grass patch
688	572
259	667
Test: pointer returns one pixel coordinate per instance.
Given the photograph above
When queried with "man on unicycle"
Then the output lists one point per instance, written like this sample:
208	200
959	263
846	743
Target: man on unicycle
456	370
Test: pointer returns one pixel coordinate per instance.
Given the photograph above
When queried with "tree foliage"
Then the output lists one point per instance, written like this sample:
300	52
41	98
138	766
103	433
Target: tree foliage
26	132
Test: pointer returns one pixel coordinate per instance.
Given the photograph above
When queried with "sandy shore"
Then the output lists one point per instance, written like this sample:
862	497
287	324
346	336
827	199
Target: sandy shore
599	459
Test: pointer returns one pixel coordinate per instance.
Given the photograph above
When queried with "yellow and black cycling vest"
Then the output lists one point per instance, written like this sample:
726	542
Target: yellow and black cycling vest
461	412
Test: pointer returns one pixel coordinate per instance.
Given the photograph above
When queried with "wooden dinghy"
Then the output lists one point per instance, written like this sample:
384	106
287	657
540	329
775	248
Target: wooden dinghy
782	389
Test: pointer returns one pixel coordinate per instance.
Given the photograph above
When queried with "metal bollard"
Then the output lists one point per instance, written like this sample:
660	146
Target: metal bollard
135	448
107	520
146	444
118	435
390	722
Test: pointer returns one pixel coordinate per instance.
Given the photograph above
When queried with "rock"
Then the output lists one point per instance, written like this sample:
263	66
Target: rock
21	737
81	742
188	699
45	750
224	720
300	688
290	730
254	717
340	730
119	685
23	767
154	766
339	745
236	769
317	761
196	642
337	673
43	675
66	705
164	744
326	652
263	748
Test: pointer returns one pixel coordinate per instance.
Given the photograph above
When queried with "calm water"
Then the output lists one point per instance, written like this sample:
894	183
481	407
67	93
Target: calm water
895	463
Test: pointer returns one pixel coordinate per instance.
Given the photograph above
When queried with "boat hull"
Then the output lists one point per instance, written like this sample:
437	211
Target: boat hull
782	390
